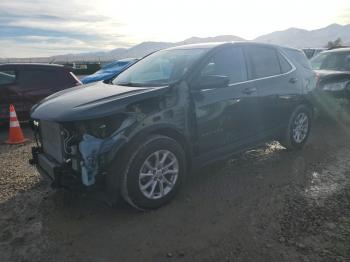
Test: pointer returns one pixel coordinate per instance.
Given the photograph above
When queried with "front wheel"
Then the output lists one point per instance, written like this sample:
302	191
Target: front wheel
298	129
153	173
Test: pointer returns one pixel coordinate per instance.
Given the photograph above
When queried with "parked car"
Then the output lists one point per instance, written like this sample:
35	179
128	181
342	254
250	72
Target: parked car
311	52
109	71
175	109
24	85
333	70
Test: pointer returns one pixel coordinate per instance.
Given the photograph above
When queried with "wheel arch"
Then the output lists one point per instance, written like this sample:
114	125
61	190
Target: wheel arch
165	130
309	105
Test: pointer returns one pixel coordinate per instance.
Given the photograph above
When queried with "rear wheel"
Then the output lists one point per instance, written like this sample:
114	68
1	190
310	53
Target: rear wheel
298	128
153	172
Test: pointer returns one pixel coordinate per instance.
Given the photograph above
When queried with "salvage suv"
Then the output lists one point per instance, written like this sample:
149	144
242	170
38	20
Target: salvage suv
174	110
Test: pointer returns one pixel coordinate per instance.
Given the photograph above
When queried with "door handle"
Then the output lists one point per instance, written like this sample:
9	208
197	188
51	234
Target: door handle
249	90
293	80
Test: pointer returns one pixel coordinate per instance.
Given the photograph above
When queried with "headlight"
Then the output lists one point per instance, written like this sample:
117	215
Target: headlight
335	86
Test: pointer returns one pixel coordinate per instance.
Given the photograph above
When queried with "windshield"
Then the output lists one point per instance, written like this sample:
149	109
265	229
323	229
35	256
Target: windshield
161	68
339	61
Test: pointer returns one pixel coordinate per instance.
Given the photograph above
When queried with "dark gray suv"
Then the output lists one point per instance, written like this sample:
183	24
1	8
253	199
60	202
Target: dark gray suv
174	110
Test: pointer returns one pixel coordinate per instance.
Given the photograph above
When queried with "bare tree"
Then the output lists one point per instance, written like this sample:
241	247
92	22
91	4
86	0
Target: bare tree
334	44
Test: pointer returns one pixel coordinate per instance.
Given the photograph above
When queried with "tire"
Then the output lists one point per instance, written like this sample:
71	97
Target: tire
290	139
142	179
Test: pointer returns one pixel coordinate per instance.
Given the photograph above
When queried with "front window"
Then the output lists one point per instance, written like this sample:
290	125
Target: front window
339	61
161	68
228	62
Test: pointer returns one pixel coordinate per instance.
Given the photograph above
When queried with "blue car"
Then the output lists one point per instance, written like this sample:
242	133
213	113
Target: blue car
108	71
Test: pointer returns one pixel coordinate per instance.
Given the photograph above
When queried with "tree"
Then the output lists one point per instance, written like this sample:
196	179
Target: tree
334	44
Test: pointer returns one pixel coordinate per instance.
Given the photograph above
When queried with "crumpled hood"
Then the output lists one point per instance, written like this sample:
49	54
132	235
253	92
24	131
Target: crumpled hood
90	101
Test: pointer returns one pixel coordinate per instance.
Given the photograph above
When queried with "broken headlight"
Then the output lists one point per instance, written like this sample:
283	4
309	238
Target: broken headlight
101	127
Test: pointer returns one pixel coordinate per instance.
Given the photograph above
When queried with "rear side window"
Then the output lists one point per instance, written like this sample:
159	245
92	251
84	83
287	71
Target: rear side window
228	62
299	57
37	78
7	77
264	61
285	65
42	79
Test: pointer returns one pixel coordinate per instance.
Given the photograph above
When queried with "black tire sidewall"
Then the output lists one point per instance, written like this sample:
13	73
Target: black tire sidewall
290	139
130	180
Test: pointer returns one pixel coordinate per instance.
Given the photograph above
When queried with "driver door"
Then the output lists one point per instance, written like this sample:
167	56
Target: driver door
226	117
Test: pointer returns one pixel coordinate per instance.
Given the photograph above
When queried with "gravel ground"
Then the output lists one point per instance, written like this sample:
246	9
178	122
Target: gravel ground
21	192
265	205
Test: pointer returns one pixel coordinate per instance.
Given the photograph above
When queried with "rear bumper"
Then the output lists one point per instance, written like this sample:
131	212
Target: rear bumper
61	175
328	100
338	94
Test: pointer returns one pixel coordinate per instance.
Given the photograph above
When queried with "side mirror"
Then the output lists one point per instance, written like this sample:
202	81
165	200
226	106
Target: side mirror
212	81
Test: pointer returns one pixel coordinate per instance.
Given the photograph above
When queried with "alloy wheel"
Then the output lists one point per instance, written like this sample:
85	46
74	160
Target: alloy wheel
300	127
158	174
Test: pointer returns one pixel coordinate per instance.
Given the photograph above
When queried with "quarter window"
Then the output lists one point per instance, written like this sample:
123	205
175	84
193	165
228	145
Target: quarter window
298	57
228	62
285	66
264	61
7	77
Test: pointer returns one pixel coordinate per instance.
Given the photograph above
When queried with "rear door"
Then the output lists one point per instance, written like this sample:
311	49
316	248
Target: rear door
226	117
10	93
275	78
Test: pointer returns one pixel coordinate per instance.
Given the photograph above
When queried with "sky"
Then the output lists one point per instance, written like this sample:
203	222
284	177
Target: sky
37	28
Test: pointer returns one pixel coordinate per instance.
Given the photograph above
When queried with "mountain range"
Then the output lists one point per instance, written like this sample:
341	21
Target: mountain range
293	37
300	38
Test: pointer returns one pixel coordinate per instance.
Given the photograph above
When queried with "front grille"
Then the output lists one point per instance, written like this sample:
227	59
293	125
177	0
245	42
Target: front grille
52	141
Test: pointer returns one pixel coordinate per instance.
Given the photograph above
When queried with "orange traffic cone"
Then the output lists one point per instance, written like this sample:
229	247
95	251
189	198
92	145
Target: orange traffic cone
15	133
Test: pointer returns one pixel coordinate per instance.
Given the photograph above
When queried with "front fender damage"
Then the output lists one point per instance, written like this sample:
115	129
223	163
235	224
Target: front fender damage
94	150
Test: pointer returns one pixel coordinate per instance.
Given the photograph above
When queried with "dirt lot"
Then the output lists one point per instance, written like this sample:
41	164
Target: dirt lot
265	205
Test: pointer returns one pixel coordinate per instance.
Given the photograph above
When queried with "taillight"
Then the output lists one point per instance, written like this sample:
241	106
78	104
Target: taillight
76	79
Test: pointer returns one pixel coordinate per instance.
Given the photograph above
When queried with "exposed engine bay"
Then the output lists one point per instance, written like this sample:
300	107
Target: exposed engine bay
84	147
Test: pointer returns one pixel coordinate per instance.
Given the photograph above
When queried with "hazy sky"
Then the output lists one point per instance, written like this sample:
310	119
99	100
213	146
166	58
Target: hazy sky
49	27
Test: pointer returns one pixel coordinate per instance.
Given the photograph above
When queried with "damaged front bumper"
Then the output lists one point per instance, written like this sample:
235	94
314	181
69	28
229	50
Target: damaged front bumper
69	161
61	175
96	154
